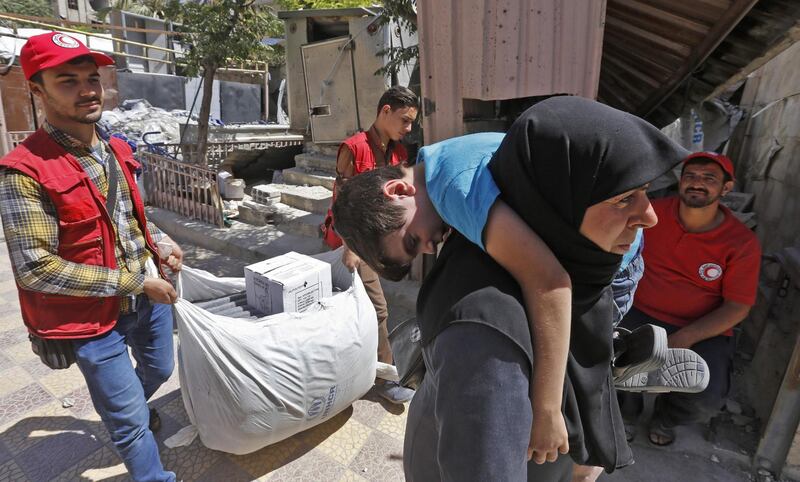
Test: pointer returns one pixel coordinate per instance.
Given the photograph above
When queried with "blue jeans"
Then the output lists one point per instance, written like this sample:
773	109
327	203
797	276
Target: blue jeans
120	392
676	408
624	287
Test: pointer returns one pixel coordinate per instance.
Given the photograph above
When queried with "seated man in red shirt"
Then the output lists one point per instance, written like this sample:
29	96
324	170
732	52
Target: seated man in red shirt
700	280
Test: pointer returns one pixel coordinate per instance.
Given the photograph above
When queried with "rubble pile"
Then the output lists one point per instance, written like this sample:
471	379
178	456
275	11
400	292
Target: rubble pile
135	117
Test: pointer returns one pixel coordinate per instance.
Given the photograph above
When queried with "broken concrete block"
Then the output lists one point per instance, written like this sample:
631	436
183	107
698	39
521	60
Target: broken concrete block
738	201
265	194
748	219
256	214
733	407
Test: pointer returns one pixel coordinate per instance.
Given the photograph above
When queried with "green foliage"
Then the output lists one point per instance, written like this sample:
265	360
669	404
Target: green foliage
36	8
404	13
322	4
223	31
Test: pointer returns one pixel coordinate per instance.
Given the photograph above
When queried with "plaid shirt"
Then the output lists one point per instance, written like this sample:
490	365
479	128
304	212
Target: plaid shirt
31	229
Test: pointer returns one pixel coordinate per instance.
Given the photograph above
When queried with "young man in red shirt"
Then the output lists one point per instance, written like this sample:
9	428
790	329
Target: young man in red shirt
700	280
379	146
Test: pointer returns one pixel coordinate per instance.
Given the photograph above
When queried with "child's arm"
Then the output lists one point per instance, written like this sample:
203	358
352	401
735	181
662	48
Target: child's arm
547	291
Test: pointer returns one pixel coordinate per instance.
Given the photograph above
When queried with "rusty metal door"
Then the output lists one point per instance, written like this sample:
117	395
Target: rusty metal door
330	87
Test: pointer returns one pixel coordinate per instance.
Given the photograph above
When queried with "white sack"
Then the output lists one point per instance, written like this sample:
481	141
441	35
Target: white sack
248	384
199	285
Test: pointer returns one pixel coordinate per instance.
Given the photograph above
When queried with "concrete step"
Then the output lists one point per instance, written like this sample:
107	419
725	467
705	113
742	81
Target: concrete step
302	176
296	221
241	241
330	150
315	199
316	162
256	214
284	217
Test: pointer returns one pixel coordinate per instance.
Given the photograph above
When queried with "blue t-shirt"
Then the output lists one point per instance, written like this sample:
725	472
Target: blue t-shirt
634	251
459	183
462	189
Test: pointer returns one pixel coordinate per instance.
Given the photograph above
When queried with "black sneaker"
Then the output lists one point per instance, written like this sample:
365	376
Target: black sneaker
155	421
639	351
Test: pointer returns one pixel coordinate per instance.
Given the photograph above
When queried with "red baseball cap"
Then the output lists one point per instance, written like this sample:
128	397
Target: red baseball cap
52	49
723	161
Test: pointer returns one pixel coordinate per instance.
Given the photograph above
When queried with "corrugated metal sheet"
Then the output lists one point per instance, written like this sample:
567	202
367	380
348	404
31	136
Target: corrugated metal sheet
532	48
494	50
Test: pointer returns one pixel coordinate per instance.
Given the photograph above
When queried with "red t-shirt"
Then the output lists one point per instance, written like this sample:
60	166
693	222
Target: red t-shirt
687	275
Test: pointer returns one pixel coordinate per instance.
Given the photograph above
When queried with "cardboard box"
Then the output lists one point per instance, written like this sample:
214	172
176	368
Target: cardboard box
291	282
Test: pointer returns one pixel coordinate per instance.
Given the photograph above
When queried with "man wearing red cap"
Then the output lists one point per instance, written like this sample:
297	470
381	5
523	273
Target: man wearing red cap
84	256
700	280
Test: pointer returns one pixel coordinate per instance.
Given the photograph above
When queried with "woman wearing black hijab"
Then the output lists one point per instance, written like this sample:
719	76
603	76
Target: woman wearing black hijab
575	171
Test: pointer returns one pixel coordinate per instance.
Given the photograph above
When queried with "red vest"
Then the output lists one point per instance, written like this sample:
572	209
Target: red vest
364	155
85	234
364	160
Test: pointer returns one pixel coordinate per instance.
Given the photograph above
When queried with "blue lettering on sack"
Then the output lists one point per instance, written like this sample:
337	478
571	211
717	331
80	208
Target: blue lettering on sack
329	402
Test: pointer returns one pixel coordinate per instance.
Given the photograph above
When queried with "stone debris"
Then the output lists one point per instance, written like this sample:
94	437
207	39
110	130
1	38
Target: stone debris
67	402
741	420
135	117
265	194
733	407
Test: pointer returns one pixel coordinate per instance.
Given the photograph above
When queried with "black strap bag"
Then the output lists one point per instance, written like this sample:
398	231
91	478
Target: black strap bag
405	339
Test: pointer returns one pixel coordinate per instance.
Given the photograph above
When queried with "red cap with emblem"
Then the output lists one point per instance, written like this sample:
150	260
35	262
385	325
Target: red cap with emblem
53	49
723	161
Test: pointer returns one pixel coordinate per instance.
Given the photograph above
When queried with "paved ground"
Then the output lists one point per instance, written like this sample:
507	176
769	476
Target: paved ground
49	430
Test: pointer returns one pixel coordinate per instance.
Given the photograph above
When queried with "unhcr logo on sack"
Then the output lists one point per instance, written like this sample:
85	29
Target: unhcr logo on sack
316	407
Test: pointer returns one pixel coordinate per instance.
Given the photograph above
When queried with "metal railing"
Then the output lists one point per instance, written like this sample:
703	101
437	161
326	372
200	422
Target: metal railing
218	151
184	188
173	56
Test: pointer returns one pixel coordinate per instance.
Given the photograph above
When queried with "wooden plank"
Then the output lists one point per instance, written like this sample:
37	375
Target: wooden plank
608	92
715	36
790	39
672	27
692	9
640	74
641	49
637	34
637	90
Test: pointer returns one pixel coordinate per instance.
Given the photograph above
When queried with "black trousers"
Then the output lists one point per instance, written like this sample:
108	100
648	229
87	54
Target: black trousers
470	419
673	409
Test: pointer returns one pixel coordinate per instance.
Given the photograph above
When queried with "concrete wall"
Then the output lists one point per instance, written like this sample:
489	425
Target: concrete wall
296	35
240	102
766	149
165	91
230	101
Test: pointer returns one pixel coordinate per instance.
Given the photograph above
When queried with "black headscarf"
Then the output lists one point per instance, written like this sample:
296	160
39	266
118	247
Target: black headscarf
561	156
